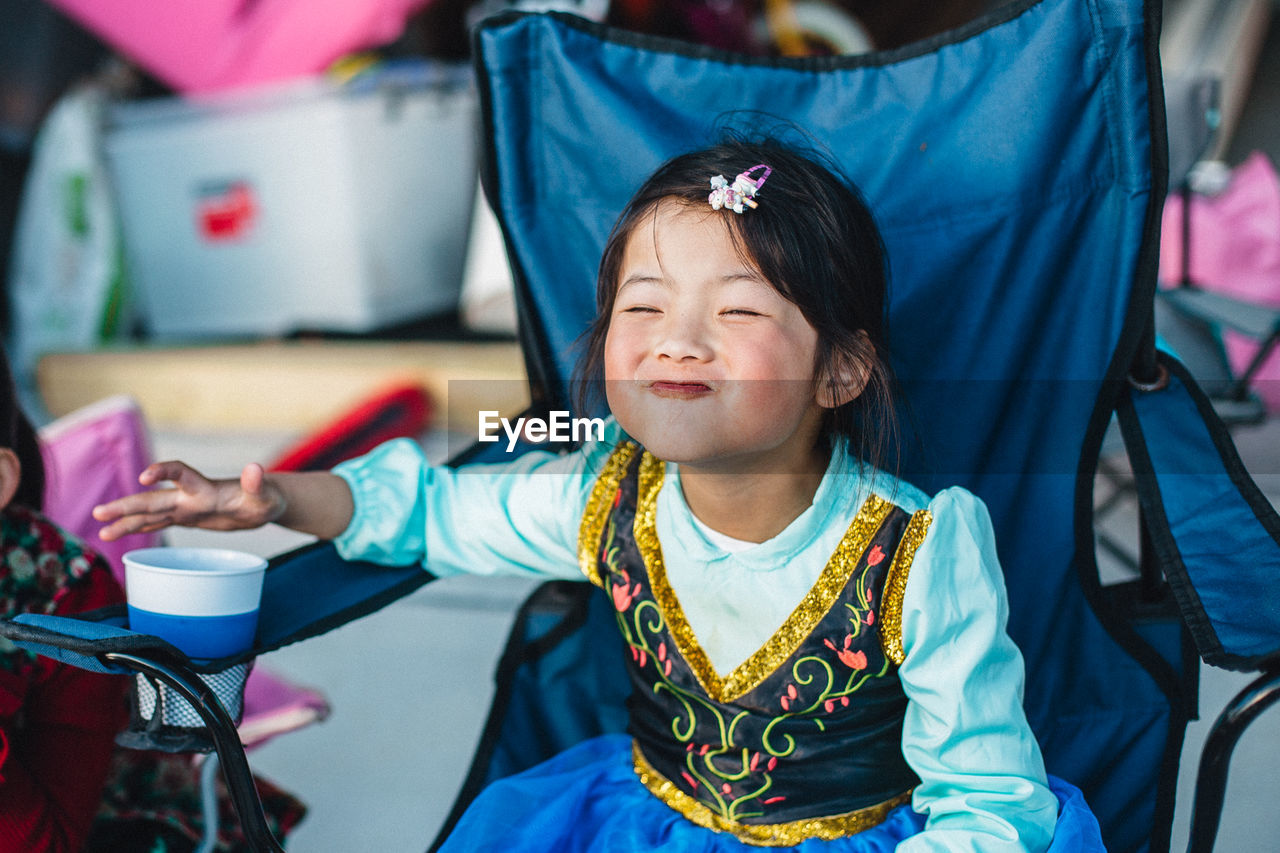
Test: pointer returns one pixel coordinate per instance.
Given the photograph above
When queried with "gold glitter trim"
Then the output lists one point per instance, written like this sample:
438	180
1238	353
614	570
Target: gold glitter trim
895	585
763	834
599	505
820	598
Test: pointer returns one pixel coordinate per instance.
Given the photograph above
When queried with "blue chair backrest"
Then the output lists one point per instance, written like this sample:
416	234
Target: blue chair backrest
1014	172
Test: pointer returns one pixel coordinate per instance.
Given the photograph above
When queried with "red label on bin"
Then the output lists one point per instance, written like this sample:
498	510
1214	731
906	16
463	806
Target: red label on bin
226	212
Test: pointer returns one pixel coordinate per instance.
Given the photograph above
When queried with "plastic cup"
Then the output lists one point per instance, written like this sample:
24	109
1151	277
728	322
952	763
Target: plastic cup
202	600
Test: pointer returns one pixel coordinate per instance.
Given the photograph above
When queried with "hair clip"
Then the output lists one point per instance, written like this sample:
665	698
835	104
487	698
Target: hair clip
741	192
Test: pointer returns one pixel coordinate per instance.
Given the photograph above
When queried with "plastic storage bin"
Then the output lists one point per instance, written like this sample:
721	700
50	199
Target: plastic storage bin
315	206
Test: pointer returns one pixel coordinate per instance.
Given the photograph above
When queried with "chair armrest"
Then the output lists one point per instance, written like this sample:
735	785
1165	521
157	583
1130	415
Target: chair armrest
306	592
311	590
83	641
1214	534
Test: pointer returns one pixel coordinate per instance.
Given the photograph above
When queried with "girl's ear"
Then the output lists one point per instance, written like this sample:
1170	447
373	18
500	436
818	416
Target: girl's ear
846	378
10	474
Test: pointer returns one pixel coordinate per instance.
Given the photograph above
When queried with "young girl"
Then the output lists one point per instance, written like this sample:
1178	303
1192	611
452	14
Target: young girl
817	649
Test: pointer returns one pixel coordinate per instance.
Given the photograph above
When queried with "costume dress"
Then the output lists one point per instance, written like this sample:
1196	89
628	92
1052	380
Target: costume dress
850	710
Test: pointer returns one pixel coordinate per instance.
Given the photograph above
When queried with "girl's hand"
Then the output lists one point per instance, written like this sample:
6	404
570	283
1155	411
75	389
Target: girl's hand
193	501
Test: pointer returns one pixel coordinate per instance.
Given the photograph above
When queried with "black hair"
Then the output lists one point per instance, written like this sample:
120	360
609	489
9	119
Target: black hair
17	434
815	240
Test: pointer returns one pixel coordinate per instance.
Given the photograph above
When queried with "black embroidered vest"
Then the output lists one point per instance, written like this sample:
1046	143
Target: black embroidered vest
801	740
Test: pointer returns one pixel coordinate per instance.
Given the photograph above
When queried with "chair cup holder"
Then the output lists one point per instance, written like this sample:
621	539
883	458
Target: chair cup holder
161	719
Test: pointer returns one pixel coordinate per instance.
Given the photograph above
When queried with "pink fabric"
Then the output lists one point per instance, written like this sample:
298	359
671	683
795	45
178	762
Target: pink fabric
273	706
209	45
91	456
1235	249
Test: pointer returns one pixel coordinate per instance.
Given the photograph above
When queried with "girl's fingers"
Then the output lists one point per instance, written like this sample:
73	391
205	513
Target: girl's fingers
187	480
252	478
158	472
143	503
180	473
134	524
191	501
152	528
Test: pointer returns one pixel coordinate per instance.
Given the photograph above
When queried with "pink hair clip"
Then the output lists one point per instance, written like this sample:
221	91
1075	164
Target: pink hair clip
741	192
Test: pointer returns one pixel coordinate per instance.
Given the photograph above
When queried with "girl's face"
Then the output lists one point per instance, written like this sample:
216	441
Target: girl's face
705	362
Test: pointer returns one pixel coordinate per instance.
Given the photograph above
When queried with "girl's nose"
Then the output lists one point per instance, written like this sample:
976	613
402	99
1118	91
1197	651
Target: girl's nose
684	337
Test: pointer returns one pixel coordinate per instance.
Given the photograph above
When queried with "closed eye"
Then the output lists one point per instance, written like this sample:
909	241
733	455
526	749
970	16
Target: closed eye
742	312
640	309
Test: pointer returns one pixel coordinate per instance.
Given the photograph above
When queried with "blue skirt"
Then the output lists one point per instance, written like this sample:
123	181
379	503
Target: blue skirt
589	798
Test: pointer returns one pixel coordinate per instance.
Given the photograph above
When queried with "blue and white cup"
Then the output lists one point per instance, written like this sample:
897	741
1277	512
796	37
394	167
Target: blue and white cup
202	600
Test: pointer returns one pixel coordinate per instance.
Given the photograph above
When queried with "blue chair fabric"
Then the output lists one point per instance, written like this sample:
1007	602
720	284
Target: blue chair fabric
79	641
1214	532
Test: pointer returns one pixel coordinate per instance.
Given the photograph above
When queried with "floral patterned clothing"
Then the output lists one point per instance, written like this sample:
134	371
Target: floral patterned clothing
57	723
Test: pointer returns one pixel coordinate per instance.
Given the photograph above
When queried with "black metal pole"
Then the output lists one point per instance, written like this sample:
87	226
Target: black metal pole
1150	572
235	766
1215	759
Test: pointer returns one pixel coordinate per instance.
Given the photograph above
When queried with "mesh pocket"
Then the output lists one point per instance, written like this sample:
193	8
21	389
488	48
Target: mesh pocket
163	720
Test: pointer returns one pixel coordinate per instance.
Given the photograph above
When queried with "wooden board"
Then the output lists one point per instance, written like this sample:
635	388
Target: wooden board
294	385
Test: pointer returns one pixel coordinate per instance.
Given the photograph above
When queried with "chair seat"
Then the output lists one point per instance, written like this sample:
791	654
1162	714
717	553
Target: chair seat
1247	318
1251	411
273	706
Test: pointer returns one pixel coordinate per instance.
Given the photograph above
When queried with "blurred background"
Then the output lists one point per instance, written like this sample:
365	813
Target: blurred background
260	220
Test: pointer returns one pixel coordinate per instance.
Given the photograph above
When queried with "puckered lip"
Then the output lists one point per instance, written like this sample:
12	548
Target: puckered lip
679	388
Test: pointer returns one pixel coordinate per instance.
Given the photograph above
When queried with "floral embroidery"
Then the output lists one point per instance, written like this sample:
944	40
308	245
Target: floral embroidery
735	780
853	659
622	594
744	749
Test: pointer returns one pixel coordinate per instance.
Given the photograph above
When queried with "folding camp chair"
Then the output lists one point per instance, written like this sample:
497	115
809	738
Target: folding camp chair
1016	166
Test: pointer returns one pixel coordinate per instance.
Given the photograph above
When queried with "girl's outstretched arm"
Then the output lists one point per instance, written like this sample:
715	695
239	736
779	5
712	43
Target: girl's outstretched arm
314	502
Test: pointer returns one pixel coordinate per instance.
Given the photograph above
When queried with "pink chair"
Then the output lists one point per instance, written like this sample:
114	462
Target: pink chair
90	456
